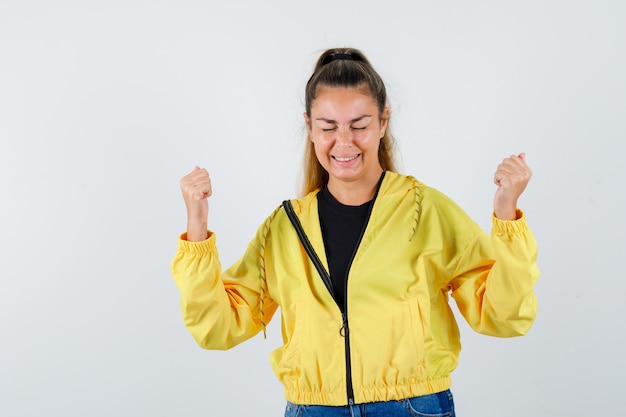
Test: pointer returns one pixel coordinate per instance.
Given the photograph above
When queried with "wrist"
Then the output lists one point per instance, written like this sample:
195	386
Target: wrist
197	232
506	213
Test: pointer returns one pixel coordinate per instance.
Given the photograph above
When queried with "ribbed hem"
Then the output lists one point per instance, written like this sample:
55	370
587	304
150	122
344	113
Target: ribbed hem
370	394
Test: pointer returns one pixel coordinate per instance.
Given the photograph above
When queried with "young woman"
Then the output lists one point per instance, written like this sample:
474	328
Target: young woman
362	265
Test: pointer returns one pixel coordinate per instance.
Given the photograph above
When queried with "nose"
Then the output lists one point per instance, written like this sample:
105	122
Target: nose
344	136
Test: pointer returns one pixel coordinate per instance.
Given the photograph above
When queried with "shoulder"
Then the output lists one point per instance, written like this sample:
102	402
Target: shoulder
429	199
303	207
303	204
395	183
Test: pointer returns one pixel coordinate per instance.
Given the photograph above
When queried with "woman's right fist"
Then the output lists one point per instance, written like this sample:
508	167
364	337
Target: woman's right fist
196	189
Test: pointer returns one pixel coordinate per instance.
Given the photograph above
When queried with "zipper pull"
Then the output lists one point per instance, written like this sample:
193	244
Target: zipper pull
344	331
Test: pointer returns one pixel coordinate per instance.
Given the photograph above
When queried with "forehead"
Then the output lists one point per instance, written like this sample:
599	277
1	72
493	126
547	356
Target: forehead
336	101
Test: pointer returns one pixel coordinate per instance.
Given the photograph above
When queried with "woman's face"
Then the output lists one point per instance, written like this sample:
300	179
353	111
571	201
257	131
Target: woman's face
346	129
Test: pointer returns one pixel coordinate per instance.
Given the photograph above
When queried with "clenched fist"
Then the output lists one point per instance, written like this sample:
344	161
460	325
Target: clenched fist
196	189
511	177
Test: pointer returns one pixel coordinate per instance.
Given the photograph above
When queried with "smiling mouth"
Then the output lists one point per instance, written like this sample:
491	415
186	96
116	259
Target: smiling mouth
346	159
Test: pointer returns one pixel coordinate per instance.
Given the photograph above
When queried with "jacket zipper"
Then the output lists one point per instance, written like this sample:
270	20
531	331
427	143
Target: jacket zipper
345	329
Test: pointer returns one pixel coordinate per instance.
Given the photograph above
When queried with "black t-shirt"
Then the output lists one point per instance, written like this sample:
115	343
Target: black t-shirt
342	228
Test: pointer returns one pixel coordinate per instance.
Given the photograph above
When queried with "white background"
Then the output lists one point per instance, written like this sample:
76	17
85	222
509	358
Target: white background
105	105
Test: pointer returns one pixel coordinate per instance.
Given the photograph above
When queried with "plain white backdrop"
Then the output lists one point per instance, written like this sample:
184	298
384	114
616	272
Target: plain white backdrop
105	105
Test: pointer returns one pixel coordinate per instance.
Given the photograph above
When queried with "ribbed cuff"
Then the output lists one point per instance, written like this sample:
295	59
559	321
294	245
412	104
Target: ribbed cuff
509	227
201	247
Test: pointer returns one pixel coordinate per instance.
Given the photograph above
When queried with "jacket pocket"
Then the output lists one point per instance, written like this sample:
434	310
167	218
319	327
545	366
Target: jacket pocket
286	359
416	323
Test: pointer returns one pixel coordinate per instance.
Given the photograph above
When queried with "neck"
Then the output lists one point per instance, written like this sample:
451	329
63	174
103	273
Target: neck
354	193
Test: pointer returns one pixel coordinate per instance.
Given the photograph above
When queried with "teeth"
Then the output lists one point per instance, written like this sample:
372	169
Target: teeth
350	158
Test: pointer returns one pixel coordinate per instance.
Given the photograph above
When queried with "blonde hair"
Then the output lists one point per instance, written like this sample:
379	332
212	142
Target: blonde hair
344	67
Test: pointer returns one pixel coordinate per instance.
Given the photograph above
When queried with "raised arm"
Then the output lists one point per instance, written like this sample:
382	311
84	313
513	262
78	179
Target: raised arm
220	308
494	281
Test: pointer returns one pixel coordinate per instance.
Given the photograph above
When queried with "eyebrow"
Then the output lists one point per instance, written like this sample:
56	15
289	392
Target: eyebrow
322	119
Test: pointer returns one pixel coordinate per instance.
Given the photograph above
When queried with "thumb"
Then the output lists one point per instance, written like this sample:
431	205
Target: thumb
523	156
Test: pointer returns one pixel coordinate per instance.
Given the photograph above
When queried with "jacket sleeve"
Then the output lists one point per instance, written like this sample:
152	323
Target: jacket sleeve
221	309
494	279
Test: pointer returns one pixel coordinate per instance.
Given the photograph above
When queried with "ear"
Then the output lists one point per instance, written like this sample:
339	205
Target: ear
384	121
307	121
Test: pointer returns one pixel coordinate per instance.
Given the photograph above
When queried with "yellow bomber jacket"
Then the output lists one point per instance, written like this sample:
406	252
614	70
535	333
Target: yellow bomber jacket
418	248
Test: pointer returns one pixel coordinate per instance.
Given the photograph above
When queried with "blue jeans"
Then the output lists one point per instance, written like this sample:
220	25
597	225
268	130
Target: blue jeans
440	404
